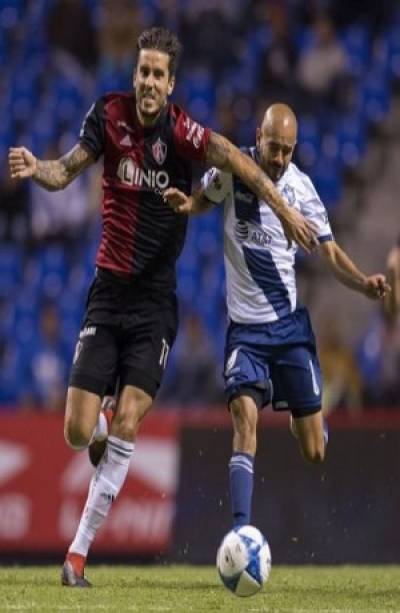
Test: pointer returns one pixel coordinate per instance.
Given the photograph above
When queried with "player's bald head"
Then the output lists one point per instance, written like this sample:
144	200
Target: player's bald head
280	122
276	140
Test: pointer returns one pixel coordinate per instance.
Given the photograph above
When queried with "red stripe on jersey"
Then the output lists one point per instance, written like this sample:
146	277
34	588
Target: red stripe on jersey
142	236
124	140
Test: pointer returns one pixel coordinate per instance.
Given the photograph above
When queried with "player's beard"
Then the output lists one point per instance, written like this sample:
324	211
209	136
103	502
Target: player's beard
276	172
150	112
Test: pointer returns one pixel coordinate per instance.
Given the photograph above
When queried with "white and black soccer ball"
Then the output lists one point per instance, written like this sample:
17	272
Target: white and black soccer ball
244	560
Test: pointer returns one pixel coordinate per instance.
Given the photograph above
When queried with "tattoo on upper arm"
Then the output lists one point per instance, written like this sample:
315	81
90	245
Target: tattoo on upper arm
218	151
225	156
57	174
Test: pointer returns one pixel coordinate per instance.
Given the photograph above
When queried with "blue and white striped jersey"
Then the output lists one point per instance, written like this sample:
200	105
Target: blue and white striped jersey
260	275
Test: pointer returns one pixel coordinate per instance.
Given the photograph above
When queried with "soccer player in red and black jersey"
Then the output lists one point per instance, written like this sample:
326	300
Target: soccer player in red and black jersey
147	144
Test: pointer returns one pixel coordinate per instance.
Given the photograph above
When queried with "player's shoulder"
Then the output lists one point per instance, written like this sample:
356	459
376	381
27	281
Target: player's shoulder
300	180
176	112
175	109
123	98
179	115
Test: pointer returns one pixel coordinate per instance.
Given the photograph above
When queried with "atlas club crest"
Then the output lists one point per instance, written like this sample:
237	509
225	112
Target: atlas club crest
159	151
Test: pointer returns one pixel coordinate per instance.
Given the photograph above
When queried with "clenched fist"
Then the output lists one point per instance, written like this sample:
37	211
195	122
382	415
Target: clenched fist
22	163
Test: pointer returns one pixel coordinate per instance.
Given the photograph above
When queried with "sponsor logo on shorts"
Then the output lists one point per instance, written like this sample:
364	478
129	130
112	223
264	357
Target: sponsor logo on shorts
88	331
314	379
164	353
231	361
78	349
282	404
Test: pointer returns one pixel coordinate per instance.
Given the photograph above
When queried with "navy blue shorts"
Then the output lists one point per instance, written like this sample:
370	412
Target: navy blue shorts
278	361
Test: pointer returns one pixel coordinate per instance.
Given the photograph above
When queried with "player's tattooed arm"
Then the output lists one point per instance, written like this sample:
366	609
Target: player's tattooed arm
344	269
225	156
53	175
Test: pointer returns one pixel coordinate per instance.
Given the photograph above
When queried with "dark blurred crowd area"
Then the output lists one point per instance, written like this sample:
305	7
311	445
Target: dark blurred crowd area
337	63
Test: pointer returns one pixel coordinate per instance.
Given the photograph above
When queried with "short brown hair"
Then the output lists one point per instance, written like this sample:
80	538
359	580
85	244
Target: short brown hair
162	40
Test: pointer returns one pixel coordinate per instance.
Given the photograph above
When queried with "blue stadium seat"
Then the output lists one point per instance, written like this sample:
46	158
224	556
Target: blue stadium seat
328	181
10	14
26	305
26	317
111	78
304	38
69	100
309	141
48	271
352	138
393	40
79	279
43	129
71	310
198	89
11	374
357	42
10	269
375	94
4	49
7	317
208	232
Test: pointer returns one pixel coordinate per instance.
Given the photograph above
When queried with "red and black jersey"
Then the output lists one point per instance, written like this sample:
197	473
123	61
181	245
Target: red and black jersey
142	237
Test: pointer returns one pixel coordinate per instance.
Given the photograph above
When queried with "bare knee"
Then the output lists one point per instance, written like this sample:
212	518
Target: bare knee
133	405
125	425
244	418
81	414
76	433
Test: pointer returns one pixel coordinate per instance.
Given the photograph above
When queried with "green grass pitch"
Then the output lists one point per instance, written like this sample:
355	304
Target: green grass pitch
197	588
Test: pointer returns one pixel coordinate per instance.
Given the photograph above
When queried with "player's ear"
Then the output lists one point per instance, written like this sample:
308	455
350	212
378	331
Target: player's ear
171	85
258	137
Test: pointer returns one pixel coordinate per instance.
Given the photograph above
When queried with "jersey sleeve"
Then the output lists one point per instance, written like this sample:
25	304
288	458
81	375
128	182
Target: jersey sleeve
216	185
313	210
92	134
190	138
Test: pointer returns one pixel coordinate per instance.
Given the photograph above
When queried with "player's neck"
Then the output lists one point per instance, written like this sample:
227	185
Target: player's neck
147	121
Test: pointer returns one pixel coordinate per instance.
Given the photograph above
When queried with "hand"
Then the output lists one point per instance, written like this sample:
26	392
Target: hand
177	200
22	163
298	229
376	287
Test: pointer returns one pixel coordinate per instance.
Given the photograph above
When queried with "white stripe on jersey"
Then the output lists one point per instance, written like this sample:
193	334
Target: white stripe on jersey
260	275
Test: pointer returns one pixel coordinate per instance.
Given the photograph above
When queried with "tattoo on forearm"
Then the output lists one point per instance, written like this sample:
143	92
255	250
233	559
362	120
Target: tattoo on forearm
57	174
218	151
222	154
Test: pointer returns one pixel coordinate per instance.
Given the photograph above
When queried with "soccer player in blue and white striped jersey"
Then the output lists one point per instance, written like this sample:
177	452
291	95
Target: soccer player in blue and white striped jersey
270	353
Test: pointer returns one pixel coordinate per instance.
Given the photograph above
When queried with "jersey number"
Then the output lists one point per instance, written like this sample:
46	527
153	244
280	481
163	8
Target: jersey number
164	353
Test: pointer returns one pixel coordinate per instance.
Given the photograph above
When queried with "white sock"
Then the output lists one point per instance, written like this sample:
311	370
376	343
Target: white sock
100	431
104	487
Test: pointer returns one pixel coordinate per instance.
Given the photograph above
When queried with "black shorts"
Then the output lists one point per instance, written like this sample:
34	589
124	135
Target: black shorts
127	334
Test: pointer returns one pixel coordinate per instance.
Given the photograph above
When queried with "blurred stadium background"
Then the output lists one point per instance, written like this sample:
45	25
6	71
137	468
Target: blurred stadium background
338	64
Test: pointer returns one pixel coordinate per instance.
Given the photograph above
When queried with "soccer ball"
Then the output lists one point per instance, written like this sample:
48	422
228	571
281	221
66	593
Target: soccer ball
244	560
